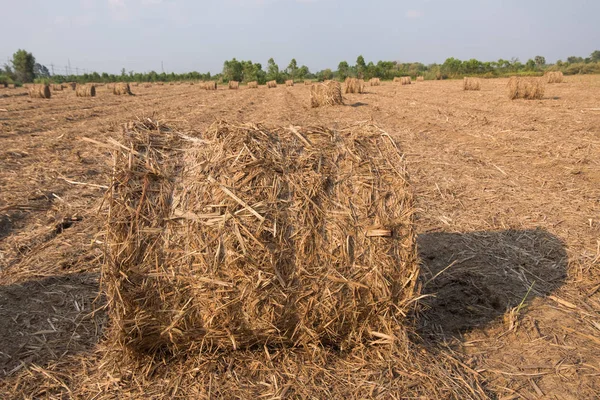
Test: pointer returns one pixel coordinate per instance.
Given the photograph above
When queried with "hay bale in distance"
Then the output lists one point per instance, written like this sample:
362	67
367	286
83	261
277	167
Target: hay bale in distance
374	82
258	237
210	85
271	84
121	88
471	83
554	77
57	87
353	85
420	79
88	90
308	82
397	79
328	93
147	85
39	91
525	88
253	85
289	82
234	85
11	86
405	80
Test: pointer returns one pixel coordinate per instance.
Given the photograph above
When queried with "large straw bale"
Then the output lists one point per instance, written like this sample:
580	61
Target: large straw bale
271	84
420	79
374	82
256	236
354	85
234	85
289	82
328	93
210	85
405	80
88	90
253	85
471	83
554	77
121	88
308	82
57	87
39	91
525	88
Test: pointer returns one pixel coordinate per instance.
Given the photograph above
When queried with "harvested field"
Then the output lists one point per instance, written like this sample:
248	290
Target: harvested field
507	226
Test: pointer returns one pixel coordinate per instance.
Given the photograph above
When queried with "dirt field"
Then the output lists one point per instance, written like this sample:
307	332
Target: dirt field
508	197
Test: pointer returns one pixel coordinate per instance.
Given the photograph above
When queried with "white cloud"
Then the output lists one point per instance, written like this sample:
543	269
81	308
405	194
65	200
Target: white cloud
414	14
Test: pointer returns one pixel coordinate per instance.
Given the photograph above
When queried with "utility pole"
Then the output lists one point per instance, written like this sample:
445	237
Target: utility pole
76	71
69	62
162	67
52	66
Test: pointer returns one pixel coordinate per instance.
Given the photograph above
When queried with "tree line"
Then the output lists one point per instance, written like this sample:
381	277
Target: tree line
23	68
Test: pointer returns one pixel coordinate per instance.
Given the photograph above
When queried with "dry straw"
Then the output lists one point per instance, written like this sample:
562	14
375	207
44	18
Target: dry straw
397	79
289	82
471	84
525	88
328	93
234	85
88	90
375	82
57	87
256	236
353	85
405	80
555	77
271	84
253	85
420	79
210	85
72	85
308	82
11	86
121	88
148	85
39	91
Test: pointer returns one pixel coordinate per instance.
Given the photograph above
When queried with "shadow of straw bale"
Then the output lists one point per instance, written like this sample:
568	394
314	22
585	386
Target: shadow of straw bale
47	319
474	278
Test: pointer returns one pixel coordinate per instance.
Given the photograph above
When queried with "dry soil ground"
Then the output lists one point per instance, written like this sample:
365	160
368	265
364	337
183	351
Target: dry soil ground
508	197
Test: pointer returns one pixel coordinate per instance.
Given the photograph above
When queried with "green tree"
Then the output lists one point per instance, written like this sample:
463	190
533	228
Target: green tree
343	70
272	70
540	61
360	66
595	56
530	65
23	65
233	70
574	60
326	74
292	68
40	71
303	72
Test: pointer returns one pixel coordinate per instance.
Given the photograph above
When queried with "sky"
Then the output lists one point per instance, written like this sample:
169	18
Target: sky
199	35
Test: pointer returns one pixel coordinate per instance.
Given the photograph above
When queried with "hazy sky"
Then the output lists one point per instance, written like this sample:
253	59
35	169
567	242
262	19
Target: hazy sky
107	35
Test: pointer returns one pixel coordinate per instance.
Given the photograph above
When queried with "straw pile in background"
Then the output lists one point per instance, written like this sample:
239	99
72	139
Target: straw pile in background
397	79
525	88
234	85
88	90
134	84
308	82
374	82
210	85
39	91
72	85
420	79
555	77
253	85
471	84
147	85
121	88
257	236
11	86
160	83
271	84
405	80
353	85
57	87
289	82
328	93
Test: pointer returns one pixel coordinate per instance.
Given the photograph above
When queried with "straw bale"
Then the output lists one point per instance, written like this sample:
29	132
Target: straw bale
121	88
253	85
405	80
554	77
271	84
289	82
234	85
397	79
525	88
210	85
420	79
308	82
354	85
374	82
471	84
39	91
57	87
256	236
88	90
328	93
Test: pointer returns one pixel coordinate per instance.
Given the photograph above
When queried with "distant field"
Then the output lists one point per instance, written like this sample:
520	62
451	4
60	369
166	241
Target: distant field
508	198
